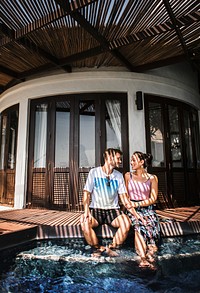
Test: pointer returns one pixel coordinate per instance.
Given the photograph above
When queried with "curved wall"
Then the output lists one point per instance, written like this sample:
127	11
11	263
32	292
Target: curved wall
91	81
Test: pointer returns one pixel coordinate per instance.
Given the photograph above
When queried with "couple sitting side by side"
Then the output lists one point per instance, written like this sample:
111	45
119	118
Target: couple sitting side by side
104	187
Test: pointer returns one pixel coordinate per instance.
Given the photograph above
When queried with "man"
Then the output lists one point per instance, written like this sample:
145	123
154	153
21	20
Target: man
104	187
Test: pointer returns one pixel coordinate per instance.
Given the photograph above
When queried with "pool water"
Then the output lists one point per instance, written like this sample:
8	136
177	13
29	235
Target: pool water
67	266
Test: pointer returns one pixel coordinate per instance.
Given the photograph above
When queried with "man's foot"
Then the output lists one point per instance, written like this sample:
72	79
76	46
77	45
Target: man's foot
114	246
98	250
96	253
111	253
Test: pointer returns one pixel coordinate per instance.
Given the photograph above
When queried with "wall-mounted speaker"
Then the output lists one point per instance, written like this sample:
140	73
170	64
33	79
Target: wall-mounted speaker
139	101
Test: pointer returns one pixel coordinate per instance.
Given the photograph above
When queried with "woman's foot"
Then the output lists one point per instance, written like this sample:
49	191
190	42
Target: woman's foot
144	263
150	257
151	251
152	247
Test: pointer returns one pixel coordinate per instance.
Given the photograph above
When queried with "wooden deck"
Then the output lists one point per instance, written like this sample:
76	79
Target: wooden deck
26	224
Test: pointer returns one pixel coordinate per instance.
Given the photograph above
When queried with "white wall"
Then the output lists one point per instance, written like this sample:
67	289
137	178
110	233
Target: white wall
93	81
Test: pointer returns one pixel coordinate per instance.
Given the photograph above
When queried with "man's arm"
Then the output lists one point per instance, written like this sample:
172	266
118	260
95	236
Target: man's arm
128	204
86	203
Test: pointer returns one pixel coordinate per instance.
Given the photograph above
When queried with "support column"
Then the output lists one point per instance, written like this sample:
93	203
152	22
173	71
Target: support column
22	156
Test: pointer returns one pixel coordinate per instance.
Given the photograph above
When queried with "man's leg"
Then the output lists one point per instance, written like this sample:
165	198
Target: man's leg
90	236
88	232
123	224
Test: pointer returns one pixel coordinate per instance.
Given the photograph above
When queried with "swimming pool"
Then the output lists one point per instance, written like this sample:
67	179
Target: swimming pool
67	266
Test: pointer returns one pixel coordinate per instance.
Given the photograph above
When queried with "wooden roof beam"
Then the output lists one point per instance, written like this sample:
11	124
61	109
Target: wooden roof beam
82	55
2	88
44	21
6	30
8	72
37	70
13	82
153	31
178	32
149	33
160	63
31	46
93	32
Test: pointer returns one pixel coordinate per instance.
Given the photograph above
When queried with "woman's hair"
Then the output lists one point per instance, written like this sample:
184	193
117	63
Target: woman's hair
147	158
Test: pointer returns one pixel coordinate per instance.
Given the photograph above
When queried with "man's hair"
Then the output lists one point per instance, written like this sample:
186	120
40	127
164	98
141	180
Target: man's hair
111	152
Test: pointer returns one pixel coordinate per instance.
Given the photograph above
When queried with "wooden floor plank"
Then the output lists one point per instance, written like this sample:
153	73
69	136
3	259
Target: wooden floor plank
61	224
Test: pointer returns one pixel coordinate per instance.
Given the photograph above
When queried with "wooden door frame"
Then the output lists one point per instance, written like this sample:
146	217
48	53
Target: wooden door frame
181	106
5	171
74	99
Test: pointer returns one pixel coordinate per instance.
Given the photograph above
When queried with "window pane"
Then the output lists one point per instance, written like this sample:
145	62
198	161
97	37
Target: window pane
188	140
176	152
62	134
3	141
87	134
113	124
40	136
12	139
196	138
156	133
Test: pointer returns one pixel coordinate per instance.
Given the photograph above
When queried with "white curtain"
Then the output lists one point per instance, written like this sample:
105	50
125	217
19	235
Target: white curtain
40	138
12	152
114	112
3	142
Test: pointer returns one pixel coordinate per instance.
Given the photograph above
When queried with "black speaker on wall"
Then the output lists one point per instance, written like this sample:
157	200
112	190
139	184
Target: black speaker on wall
139	101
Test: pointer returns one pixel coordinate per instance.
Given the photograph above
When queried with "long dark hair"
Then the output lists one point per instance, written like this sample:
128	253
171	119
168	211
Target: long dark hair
147	158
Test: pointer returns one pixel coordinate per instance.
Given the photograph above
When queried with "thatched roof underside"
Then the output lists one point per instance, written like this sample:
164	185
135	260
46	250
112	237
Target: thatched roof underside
37	36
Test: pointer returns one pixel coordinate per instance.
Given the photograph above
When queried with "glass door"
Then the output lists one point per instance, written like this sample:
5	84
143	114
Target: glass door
68	135
176	156
59	161
156	145
38	185
172	135
9	130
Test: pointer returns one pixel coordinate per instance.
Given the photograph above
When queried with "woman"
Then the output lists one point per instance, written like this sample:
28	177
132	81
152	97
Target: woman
142	188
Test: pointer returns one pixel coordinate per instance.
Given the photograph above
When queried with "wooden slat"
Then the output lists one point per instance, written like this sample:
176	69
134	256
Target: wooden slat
61	224
35	35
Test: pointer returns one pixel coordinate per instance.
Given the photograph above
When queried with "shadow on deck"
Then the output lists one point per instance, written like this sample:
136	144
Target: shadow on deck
18	226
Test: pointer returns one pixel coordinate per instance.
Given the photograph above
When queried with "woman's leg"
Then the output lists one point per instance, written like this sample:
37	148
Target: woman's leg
140	245
151	251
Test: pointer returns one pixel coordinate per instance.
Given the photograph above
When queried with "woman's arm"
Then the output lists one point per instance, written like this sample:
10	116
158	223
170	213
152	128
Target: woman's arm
127	178
128	204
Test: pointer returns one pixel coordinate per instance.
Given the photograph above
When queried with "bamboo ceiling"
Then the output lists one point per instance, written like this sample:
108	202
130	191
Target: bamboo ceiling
37	36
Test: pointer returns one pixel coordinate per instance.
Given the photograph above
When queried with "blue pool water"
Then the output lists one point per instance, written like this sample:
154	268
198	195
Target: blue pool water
67	266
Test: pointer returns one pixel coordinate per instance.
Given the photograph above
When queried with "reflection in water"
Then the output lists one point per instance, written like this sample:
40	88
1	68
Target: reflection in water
67	266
